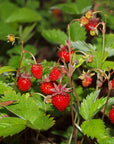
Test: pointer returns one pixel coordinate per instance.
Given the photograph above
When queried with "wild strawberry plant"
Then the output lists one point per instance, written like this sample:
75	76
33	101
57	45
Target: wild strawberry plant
38	92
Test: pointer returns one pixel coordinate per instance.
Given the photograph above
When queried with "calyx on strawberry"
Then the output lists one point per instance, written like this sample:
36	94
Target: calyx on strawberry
37	70
24	82
92	24
111	115
64	53
86	79
46	86
60	97
55	73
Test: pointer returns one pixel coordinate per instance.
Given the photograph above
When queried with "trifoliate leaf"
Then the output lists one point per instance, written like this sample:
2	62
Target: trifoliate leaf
55	36
11	125
94	128
91	105
27	109
77	32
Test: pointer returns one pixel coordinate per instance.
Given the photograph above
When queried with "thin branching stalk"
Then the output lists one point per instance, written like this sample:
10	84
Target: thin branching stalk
106	103
76	94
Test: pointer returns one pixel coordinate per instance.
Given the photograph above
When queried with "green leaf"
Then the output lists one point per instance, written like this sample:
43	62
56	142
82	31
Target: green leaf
106	140
4	87
23	15
109	16
55	36
6	69
27	33
77	32
27	109
6	29
108	65
94	128
97	59
83	5
109	105
11	126
83	46
91	105
74	8
44	123
70	8
110	132
15	60
17	50
110	51
11	7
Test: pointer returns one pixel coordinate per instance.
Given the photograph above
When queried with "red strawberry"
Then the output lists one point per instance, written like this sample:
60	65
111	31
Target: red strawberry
56	12
111	115
86	78
60	97
92	24
113	83
47	86
37	70
55	73
61	101
64	53
87	81
24	84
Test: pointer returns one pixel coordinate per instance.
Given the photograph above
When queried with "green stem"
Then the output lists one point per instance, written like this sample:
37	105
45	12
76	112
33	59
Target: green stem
103	50
75	94
106	103
31	55
17	74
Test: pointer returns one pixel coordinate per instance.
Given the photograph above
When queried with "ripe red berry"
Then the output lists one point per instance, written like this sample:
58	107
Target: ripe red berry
56	12
111	115
64	53
47	86
86	81
37	70
60	101
54	75
92	24
113	83
24	84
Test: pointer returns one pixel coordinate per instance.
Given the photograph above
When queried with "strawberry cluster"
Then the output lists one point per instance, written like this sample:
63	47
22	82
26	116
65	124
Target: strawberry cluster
48	86
90	22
